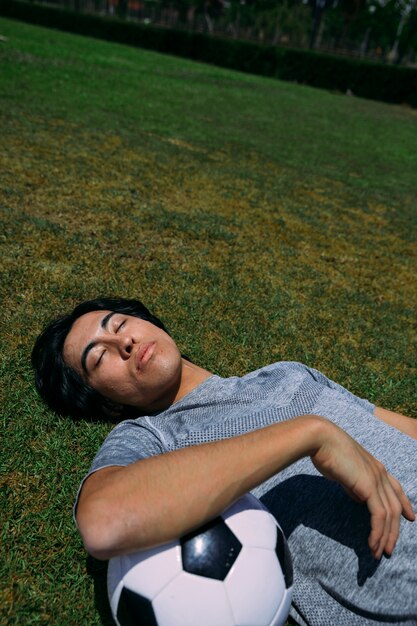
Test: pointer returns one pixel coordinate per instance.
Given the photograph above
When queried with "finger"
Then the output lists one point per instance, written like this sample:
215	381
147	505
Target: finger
388	500
378	519
394	508
407	508
394	530
400	505
378	507
396	503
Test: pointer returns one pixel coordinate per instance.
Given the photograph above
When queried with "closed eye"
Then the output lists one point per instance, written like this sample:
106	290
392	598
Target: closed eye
99	359
120	326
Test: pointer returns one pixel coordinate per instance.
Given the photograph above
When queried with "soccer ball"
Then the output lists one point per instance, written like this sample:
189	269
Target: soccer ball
234	571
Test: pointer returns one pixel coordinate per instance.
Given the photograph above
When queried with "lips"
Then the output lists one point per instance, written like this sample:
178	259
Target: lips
144	354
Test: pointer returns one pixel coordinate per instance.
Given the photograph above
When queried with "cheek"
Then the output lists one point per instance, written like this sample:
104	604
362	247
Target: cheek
118	390
169	356
111	379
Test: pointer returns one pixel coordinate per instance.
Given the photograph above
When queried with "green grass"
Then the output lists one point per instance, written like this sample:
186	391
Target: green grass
261	220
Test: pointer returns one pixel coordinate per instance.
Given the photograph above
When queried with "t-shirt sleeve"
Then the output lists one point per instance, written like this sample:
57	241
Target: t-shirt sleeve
321	378
128	442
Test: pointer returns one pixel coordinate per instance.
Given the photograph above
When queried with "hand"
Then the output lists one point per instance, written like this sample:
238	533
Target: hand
365	479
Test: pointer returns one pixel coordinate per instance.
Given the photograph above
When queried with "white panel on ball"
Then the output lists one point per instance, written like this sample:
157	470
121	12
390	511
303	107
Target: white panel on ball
256	529
255	587
283	611
191	600
247	501
150	571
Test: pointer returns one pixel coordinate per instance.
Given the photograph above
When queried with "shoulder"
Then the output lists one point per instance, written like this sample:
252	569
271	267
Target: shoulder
129	441
279	369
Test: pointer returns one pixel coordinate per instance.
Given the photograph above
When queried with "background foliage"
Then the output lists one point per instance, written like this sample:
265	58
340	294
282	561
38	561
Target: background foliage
384	30
261	220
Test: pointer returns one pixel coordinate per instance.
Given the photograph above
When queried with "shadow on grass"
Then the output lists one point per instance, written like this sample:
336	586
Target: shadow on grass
98	572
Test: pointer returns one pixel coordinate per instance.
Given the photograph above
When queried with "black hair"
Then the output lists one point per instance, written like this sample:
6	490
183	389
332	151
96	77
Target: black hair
59	385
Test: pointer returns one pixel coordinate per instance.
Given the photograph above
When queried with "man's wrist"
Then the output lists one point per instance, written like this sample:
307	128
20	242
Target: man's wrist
317	430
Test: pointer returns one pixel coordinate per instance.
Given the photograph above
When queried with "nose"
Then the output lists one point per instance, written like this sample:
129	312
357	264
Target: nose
123	345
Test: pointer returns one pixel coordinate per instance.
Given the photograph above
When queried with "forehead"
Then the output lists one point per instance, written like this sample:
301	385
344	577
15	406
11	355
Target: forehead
86	324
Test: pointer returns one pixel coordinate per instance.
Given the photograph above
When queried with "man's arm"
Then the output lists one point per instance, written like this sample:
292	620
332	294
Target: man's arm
407	425
152	501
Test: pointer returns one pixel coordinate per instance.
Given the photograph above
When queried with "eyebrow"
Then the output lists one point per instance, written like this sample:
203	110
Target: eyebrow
91	345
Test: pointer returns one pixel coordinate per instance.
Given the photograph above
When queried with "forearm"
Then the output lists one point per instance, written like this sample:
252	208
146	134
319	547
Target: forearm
158	499
407	425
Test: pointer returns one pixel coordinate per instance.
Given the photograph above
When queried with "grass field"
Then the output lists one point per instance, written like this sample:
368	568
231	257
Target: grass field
261	220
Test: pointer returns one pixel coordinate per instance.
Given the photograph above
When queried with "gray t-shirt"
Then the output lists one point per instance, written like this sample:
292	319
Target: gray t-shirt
337	581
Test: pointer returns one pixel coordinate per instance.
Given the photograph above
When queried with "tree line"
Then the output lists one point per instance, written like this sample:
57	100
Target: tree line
384	30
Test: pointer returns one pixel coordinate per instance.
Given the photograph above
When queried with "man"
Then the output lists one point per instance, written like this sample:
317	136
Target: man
201	441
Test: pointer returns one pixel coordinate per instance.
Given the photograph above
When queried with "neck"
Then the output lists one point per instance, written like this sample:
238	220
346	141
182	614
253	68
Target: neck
191	376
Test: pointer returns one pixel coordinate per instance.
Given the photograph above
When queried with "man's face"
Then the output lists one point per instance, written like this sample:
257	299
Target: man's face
126	359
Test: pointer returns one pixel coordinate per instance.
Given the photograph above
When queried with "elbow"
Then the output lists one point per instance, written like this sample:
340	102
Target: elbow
108	529
109	522
96	539
100	532
99	549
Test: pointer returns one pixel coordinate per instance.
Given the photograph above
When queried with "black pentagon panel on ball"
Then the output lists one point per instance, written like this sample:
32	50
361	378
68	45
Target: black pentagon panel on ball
211	550
135	610
284	556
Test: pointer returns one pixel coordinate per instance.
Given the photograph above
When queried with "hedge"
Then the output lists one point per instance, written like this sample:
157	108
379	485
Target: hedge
365	79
